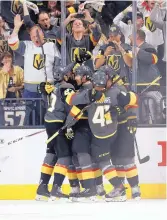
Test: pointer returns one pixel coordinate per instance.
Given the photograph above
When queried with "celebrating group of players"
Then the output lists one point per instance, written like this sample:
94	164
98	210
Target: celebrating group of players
99	114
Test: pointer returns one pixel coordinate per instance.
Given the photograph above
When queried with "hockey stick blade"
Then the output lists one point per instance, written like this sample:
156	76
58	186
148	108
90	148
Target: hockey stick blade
141	160
144	160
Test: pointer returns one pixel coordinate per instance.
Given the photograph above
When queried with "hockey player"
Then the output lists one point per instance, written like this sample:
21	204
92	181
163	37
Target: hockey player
102	117
123	152
86	172
57	150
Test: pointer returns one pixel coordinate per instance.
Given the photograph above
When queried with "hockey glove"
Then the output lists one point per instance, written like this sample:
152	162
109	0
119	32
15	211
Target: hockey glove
49	88
41	88
132	125
97	96
123	99
81	55
69	134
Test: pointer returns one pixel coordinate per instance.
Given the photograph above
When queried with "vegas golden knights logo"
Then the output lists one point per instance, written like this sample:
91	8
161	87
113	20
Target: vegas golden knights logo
149	24
16	7
39	61
113	61
3	46
73	55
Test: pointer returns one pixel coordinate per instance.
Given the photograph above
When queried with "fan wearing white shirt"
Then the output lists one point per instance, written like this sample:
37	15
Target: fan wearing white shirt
35	61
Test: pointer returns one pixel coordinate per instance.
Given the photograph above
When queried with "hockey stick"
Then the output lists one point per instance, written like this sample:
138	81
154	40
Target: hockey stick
154	81
146	158
66	125
22	138
141	160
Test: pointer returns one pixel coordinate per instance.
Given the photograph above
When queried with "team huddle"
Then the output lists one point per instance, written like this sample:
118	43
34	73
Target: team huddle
98	113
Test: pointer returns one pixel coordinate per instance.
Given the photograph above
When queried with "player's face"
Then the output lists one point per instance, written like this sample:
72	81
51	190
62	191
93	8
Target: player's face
78	79
34	36
44	21
78	27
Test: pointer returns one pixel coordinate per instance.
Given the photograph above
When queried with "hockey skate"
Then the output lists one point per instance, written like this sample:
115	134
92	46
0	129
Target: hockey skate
118	194
42	193
87	194
56	194
136	194
100	190
73	196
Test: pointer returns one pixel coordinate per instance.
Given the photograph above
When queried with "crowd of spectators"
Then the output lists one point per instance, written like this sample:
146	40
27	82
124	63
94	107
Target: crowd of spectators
104	28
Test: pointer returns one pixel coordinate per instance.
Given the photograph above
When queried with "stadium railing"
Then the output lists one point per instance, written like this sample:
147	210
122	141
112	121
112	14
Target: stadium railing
29	113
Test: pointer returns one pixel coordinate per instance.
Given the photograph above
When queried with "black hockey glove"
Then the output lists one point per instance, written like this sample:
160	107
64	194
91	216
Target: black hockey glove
132	125
97	96
123	99
41	88
81	55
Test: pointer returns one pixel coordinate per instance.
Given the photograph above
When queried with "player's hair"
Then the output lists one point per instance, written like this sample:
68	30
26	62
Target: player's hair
141	35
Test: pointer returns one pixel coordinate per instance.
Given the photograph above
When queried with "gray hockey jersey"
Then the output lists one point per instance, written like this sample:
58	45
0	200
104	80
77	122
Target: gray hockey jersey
58	109
102	117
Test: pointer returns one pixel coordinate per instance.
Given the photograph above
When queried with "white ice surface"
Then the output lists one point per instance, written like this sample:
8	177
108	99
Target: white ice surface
131	210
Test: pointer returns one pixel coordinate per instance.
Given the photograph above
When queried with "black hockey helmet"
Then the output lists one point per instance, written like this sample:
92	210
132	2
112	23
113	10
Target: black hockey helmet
59	73
84	71
109	71
99	79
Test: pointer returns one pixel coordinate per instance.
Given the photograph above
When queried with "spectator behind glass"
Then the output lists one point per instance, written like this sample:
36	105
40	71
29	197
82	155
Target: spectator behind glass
55	12
4	29
4	34
115	53
35	62
44	22
126	29
148	74
78	39
158	17
11	78
154	35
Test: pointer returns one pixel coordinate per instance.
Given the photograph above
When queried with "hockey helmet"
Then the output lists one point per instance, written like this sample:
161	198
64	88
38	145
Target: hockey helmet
99	79
109	71
59	73
84	71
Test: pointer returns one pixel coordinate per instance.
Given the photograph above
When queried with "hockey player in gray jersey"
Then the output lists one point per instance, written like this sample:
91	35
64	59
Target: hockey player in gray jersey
88	174
102	117
58	150
123	152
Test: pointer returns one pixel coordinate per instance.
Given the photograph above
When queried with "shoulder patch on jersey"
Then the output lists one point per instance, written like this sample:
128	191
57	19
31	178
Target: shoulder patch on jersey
68	91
